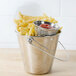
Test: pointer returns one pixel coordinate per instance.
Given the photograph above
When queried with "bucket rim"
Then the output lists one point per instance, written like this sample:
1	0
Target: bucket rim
43	36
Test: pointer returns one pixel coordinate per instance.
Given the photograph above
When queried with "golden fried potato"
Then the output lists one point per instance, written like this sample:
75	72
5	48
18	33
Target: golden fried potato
25	23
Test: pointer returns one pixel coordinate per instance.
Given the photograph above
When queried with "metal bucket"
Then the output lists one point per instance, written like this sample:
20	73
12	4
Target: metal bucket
36	61
36	52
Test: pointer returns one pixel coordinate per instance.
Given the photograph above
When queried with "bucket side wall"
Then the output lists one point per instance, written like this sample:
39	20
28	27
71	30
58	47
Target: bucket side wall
36	61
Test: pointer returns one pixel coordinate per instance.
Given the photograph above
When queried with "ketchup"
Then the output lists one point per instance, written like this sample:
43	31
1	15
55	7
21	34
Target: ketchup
47	26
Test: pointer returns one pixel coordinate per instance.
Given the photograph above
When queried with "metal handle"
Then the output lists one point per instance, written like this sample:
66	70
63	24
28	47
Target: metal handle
30	39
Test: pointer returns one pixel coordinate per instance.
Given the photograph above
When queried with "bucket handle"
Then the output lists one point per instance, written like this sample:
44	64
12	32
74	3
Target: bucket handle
30	39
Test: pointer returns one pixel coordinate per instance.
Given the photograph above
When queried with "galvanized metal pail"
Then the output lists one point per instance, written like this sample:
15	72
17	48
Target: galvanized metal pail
36	52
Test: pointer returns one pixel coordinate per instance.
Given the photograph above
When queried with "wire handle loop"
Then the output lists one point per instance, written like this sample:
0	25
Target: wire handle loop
30	39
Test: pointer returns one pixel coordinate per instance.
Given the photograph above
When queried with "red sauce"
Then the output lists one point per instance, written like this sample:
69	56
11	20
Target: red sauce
47	26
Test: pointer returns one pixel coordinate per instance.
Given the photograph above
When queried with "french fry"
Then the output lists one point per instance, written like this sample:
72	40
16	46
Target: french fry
25	23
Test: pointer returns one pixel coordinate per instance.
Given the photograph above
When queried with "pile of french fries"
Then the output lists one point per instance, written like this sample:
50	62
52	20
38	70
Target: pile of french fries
25	25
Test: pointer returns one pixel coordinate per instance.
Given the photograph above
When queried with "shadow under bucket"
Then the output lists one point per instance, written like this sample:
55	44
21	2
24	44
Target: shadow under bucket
35	60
